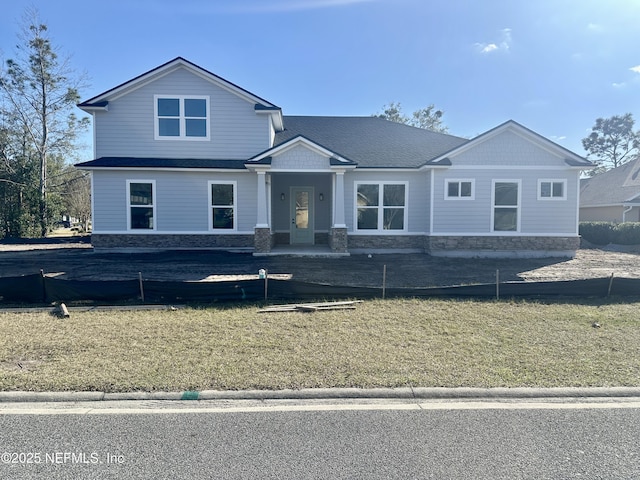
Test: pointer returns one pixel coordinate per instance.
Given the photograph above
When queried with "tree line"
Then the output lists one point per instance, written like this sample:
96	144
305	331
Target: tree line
39	134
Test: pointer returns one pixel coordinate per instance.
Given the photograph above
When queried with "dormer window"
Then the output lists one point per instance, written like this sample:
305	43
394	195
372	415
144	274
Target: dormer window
184	117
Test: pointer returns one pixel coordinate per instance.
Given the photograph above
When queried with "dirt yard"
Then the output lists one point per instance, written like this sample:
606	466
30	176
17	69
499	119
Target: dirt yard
73	259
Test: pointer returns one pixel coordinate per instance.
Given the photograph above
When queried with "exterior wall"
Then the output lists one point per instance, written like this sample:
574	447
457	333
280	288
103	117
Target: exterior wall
470	246
608	214
467	217
127	128
171	242
299	157
386	243
417	203
507	149
182	201
280	210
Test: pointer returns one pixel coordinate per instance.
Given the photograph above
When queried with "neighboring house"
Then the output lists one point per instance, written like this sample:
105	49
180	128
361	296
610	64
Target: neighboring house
185	159
612	196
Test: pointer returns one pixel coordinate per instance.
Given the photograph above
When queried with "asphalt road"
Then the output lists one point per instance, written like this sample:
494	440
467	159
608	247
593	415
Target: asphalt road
315	440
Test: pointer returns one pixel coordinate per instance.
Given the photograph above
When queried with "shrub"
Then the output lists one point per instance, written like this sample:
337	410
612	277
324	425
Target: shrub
627	233
598	233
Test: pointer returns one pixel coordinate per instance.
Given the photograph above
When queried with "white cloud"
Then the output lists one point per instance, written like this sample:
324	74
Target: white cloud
504	45
619	85
635	69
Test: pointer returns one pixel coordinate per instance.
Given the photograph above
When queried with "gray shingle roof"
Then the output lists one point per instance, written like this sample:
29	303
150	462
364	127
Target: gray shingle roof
613	187
371	142
134	162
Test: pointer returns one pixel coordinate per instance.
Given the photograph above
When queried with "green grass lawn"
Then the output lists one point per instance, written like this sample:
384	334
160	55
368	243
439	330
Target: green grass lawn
382	343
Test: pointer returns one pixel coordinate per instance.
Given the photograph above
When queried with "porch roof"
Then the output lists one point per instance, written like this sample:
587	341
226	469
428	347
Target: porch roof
370	142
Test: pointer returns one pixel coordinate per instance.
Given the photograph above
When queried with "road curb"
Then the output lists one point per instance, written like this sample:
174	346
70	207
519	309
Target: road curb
403	393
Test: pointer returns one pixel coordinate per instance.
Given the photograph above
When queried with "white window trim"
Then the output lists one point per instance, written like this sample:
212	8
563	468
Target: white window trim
447	181
153	205
380	207
552	181
181	118
235	205
518	206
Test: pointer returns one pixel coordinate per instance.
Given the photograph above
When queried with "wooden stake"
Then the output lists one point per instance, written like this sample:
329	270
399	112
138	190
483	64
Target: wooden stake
384	280
610	285
266	283
141	287
497	284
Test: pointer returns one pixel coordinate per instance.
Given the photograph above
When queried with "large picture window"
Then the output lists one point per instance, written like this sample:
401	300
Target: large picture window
141	204
506	205
182	117
381	206
222	201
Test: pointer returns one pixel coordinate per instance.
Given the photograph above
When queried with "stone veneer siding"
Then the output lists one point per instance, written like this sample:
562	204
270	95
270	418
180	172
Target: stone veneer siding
338	240
501	244
386	242
263	240
171	241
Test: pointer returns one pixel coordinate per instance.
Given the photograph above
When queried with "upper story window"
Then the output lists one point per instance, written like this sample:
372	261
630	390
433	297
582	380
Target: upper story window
552	189
183	117
459	189
381	206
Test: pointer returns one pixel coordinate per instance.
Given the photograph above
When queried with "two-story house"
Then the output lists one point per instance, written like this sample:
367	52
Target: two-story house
185	159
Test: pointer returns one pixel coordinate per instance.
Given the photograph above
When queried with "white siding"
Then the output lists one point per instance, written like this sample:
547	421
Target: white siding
127	128
417	203
474	216
181	200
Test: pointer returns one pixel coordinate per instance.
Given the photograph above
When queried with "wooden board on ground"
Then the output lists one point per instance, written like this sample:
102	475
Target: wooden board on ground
311	307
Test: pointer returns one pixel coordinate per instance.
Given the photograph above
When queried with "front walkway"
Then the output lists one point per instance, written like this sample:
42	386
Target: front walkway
301	251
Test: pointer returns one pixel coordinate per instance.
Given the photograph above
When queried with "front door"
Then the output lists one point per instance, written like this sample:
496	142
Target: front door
302	227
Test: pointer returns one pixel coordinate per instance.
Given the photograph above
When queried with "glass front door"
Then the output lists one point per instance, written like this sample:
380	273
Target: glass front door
302	226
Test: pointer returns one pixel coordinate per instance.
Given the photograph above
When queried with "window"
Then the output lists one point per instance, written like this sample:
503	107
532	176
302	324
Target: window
381	206
506	205
182	117
141	204
462	189
222	201
552	189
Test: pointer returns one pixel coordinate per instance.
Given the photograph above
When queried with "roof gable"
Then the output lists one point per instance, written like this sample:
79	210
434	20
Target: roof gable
262	106
168	67
565	156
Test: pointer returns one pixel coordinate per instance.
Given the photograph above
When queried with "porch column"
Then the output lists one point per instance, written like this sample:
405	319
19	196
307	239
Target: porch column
338	234
262	233
338	209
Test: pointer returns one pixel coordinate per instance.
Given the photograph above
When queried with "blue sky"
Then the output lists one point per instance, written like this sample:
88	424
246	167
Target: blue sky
552	65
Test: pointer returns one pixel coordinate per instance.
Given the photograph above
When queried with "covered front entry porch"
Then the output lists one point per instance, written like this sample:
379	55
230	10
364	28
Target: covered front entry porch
304	212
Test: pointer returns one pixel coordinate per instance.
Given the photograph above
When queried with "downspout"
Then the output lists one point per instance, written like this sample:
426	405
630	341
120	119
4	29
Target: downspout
624	213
